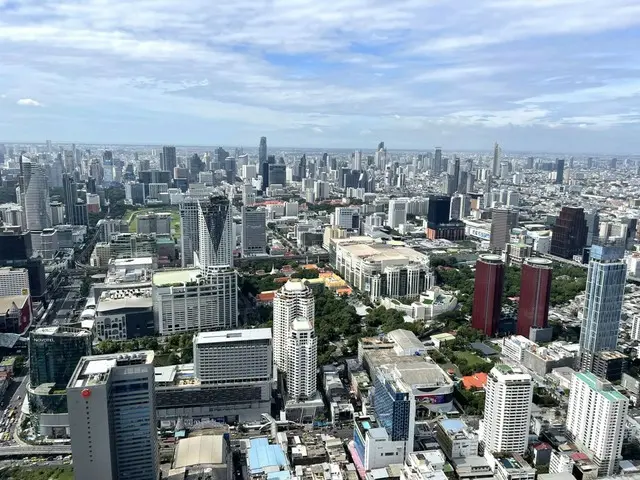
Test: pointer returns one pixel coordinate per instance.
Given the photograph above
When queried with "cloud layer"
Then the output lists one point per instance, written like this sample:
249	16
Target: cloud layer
546	75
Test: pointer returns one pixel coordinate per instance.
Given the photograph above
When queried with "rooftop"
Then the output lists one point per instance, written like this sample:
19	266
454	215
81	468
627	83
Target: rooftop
95	369
6	303
295	286
61	332
111	300
405	339
262	456
167	278
232	336
204	449
600	386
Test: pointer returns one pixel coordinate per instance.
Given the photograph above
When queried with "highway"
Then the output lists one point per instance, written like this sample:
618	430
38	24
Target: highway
34	451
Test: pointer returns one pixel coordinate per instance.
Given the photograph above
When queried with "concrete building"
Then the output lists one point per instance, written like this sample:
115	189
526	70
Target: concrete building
502	221
302	360
14	281
152	222
34	193
346	217
215	225
254	232
189	231
188	300
487	295
112	417
122	314
513	467
507	410
596	419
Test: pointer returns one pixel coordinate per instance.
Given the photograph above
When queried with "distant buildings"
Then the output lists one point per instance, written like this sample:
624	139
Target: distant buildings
34	194
596	420
507	410
487	294
112	417
168	161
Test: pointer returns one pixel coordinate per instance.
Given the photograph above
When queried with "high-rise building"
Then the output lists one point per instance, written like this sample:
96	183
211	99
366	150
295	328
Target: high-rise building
215	225
437	162
70	190
569	233
34	193
292	301
168	160
189	230
112	417
596	419
495	167
604	293
487	295
397	212
535	293
502	221
262	151
254	232
346	217
14	281
439	209
302	359
277	175
507	410
559	171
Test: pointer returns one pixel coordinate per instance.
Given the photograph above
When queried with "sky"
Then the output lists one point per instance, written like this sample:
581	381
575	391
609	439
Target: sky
534	75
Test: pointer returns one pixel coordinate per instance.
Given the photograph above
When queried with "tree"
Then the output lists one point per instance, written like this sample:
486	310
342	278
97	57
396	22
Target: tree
173	359
85	286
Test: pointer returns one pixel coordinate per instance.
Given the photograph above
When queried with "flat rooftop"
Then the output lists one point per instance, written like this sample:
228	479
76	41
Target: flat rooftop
167	278
95	369
247	335
405	339
201	450
61	332
600	386
111	300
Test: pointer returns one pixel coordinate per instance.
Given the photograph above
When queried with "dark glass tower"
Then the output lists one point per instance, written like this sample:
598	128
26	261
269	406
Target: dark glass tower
569	233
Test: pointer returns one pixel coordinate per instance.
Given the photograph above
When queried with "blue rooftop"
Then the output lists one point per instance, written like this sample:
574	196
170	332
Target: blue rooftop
281	475
452	425
262	455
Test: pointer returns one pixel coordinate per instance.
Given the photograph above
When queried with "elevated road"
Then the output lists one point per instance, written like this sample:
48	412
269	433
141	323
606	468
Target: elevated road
34	451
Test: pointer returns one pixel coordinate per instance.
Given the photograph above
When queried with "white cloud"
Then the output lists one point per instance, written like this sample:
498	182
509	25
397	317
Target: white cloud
29	102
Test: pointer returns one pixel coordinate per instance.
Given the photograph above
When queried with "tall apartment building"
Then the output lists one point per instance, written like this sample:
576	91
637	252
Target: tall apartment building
14	281
292	301
604	293
188	300
507	410
346	217
302	360
112	417
152	222
502	221
215	225
34	194
254	232
487	294
596	420
535	294
397	212
168	160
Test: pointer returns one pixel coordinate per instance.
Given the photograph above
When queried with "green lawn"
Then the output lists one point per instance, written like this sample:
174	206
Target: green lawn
37	473
471	358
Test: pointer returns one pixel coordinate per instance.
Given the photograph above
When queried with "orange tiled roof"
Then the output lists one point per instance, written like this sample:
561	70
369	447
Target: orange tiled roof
477	380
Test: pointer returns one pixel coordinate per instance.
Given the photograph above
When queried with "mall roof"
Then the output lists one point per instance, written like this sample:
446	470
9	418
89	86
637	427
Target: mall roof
262	455
204	449
233	336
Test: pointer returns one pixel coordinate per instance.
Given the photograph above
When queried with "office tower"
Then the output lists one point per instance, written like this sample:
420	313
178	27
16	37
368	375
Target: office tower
168	160
589	163
112	417
277	175
70	191
603	302
233	357
302	359
529	164
613	163
439	208
262	151
397	212
437	162
559	171
454	170
502	221
507	410
195	167
487	295
593	226
264	169
134	193
293	300
596	419
302	168
346	217
357	160
569	233
34	193
215	226
230	167
254	233
495	167
535	293
463	181
321	190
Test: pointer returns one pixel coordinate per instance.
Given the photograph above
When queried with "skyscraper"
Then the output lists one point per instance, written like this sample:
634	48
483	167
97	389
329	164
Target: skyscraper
438	209
168	160
495	168
34	193
603	302
487	294
596	419
262	151
215	226
559	171
189	230
112	417
569	233
437	162
292	301
502	221
277	175
397	212
302	359
254	233
70	190
507	410
535	293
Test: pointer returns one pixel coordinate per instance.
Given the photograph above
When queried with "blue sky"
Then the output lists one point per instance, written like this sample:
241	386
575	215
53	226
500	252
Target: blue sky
541	75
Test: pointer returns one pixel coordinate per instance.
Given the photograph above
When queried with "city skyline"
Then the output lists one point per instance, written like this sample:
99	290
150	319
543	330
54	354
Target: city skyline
305	76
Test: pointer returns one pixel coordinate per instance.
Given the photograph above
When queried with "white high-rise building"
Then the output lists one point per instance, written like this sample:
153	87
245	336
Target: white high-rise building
603	302
14	281
346	217
35	196
216	240
397	212
507	410
595	420
635	328
189	231
292	301
302	359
